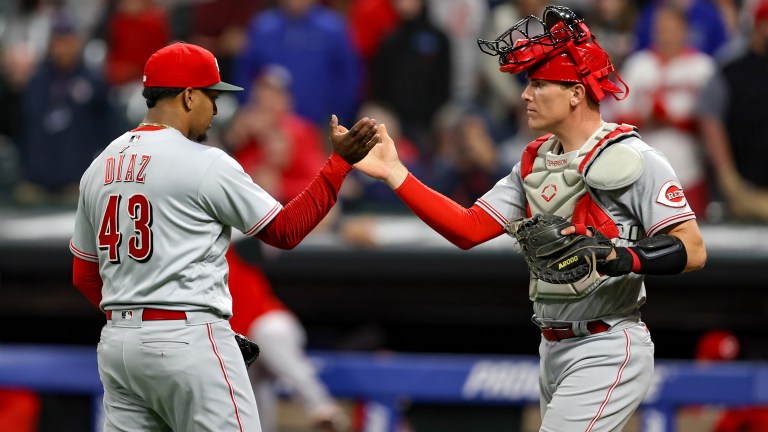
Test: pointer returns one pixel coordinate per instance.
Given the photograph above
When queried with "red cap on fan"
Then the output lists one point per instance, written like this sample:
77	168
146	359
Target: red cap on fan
718	345
183	65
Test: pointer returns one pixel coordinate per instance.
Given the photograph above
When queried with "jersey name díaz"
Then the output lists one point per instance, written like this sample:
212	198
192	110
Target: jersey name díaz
126	168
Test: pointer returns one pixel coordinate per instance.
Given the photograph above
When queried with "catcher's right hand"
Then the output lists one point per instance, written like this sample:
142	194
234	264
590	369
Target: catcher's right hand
557	258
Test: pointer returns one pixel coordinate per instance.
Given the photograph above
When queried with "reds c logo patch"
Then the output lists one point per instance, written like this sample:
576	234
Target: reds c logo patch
671	195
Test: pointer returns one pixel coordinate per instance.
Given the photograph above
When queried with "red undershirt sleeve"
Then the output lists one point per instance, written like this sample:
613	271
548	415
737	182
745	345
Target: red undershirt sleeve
87	280
463	227
302	214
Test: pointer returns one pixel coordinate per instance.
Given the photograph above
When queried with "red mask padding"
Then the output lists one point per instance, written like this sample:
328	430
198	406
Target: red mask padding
566	51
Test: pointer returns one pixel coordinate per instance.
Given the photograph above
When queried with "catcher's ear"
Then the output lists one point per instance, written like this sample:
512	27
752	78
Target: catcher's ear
578	93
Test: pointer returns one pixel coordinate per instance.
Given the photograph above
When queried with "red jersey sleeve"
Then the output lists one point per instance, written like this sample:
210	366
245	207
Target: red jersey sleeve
87	280
302	214
463	227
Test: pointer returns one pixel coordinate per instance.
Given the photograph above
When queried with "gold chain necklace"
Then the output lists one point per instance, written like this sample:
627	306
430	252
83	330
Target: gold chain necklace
165	126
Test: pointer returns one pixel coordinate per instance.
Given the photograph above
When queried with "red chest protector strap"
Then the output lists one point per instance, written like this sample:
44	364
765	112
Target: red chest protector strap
586	212
530	154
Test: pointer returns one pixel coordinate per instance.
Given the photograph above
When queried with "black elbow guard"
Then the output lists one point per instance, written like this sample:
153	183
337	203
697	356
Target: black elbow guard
658	255
661	255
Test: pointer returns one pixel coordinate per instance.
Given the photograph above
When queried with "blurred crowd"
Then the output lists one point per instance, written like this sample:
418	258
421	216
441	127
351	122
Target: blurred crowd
71	74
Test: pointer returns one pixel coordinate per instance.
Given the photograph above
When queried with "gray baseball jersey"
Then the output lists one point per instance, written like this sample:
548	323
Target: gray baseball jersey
644	203
595	382
156	212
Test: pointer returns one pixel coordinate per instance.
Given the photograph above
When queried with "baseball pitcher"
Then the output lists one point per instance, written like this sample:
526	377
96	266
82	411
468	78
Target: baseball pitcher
152	227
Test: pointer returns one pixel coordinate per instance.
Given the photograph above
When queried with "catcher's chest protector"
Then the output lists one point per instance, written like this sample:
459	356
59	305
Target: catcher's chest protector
556	184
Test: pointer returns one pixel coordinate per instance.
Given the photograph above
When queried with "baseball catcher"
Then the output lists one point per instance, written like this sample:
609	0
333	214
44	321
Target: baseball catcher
596	353
557	258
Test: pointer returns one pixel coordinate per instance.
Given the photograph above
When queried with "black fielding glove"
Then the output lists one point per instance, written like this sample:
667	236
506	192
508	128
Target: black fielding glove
248	348
555	258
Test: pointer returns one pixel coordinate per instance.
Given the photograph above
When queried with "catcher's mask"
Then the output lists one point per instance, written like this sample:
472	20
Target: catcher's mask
558	47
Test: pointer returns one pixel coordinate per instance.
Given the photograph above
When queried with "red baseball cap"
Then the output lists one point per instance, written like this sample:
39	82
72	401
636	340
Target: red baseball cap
718	345
184	65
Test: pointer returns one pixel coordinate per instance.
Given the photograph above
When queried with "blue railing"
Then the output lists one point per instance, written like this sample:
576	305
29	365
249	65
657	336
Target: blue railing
384	380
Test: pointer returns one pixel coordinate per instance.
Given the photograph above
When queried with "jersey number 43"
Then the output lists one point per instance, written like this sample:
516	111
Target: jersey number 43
140	243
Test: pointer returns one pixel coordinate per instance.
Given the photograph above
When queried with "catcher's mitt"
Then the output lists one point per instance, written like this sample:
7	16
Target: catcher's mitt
248	347
553	257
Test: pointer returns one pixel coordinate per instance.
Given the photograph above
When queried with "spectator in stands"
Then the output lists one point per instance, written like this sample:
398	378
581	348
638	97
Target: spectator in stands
666	79
502	98
220	26
136	29
16	66
707	30
466	164
740	17
313	43
133	30
510	149
67	117
614	21
370	21
27	23
258	313
281	150
730	11
369	204
733	114
462	21
412	72
88	14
